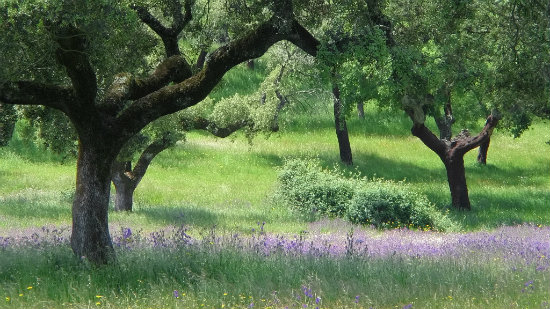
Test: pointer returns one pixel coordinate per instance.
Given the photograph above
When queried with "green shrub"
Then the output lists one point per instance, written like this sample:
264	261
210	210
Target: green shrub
387	204
313	192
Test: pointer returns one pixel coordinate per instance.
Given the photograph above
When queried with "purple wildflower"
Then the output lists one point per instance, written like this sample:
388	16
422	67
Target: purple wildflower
176	294
126	233
357	299
409	306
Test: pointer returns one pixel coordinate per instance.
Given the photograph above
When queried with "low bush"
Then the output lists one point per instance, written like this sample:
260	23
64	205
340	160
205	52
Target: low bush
388	204
313	192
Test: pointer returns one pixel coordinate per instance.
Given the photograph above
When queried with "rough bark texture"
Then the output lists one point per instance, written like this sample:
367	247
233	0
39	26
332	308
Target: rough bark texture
90	237
341	128
452	154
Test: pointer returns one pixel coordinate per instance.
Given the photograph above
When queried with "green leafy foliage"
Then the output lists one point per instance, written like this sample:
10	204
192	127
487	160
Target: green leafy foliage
313	192
387	204
49	128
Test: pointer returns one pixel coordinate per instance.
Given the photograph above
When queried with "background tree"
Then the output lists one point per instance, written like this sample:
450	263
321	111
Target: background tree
447	52
8	117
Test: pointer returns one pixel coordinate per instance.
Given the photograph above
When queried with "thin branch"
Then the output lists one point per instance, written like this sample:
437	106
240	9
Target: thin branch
169	35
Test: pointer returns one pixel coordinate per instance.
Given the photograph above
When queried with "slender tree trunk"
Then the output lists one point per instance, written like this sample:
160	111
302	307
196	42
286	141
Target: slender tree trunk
361	110
341	128
200	60
456	176
444	125
127	179
250	64
124	196
90	237
445	122
8	117
482	153
124	186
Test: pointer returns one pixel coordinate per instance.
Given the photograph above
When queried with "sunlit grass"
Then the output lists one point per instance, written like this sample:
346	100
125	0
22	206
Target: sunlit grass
209	181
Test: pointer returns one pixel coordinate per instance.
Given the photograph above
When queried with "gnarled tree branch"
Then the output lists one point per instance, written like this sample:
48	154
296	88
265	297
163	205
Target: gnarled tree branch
172	98
71	53
33	93
169	35
126	87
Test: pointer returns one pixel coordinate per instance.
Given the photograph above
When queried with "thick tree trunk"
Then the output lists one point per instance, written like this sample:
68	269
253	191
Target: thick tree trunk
482	153
456	176
90	237
361	110
341	128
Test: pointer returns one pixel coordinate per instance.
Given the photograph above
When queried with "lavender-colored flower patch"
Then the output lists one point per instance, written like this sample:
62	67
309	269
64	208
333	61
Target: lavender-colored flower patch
524	245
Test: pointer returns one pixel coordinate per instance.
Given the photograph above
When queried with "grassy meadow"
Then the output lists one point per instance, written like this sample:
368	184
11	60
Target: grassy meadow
239	249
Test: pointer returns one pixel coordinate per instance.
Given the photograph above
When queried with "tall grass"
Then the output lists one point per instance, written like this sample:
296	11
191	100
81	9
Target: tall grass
236	272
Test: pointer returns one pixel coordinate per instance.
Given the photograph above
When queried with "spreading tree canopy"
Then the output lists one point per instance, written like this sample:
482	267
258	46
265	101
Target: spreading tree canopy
75	56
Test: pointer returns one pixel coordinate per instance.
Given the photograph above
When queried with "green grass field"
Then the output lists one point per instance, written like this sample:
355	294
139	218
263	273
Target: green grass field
209	181
220	187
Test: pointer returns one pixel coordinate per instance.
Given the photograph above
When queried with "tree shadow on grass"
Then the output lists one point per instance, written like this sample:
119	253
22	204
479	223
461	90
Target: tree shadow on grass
178	216
201	217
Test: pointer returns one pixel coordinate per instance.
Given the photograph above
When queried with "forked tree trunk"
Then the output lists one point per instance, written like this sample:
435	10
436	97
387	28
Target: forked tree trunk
127	179
90	237
452	154
482	152
341	128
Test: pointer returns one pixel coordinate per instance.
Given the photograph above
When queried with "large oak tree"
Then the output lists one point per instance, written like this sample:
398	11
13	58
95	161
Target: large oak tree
106	115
